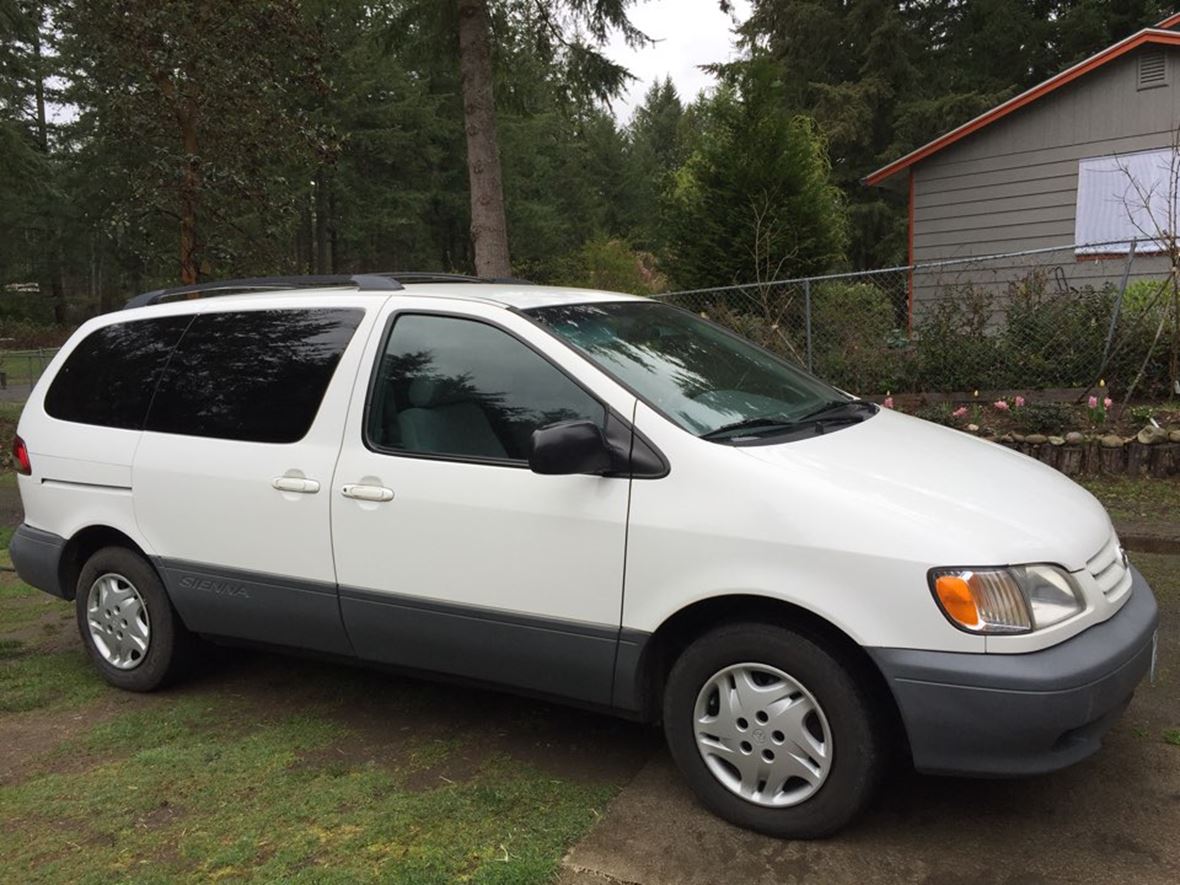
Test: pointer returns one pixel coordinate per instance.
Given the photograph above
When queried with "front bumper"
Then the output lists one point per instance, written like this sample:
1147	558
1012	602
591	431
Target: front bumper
1020	714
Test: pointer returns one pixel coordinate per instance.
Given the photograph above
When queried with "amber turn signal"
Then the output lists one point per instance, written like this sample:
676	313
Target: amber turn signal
957	599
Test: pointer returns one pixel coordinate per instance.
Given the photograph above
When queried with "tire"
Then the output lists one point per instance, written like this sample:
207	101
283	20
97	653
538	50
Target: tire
831	772
133	611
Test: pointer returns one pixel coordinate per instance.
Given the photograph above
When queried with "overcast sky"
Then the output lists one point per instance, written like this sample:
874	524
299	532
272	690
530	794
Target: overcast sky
690	33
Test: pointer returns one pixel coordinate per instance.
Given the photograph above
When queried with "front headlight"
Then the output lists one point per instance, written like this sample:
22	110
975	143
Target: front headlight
1017	599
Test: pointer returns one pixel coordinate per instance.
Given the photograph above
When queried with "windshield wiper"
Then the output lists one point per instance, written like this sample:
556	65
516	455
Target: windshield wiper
816	417
764	422
835	405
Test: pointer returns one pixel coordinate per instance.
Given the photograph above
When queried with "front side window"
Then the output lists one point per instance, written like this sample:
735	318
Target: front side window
455	387
705	379
108	379
253	376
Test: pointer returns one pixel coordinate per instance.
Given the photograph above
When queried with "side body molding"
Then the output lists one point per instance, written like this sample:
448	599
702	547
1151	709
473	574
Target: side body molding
257	607
592	664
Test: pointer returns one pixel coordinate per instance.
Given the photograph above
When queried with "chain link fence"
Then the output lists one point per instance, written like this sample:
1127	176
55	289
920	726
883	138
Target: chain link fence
20	369
1038	320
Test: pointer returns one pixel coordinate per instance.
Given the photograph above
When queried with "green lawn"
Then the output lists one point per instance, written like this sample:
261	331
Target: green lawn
271	774
199	790
1137	499
24	369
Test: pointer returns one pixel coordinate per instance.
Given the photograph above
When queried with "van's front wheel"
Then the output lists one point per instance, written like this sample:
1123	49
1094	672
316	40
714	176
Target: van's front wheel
127	622
772	731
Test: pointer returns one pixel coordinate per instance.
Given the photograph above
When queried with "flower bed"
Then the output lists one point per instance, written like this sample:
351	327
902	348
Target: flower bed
1089	438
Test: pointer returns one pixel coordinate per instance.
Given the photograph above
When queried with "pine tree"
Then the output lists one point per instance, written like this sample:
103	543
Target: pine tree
755	201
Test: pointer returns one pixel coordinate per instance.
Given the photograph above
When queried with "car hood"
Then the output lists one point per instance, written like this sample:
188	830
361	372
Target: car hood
928	490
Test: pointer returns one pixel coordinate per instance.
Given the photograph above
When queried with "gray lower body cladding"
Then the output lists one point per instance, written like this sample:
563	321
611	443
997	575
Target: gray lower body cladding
36	556
562	659
1004	715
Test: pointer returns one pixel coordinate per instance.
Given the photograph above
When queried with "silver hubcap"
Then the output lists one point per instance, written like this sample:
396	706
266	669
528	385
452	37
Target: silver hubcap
763	735
118	620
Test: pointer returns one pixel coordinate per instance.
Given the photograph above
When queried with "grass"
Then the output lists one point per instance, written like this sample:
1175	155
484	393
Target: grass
205	785
1136	499
1161	574
185	799
22	369
1172	736
30	680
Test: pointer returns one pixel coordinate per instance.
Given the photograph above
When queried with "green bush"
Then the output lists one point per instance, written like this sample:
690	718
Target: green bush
1043	418
955	343
855	347
25	335
1031	337
1053	339
773	336
609	264
1145	304
1143	297
939	413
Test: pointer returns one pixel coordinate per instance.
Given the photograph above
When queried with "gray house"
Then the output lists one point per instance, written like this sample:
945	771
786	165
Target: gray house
1082	165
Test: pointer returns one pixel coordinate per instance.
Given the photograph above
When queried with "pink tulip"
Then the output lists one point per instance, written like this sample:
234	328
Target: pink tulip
1019	402
1093	401
888	402
1107	403
960	412
1000	404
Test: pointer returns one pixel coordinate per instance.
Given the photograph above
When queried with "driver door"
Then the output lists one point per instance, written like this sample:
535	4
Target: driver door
451	555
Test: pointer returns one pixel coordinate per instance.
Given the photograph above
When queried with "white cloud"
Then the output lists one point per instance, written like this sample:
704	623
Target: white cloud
689	33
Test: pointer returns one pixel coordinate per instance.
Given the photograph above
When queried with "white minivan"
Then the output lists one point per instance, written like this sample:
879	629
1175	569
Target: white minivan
585	496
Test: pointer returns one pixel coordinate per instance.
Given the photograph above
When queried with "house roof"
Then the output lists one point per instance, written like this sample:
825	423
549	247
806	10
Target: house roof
1170	22
1157	35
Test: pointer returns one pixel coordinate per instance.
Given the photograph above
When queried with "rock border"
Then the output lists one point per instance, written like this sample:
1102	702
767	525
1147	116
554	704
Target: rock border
1152	452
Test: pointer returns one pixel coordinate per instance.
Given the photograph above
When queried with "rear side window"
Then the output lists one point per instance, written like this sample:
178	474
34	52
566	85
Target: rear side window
109	377
255	376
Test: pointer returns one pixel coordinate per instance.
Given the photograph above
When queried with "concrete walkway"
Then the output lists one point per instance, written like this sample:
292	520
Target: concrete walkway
1113	818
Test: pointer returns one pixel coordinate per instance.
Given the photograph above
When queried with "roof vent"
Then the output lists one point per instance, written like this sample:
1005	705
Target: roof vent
1153	69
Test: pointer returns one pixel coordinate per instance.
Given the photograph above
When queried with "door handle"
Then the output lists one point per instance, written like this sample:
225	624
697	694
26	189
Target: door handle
296	484
367	493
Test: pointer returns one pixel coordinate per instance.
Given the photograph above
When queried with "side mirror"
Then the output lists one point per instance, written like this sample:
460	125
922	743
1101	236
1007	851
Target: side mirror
569	447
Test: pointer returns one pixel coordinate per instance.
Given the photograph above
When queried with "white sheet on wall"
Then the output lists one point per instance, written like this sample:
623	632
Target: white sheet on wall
1123	198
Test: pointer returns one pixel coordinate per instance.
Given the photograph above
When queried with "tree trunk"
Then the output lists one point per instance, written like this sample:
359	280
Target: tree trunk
322	223
489	230
189	190
333	239
53	257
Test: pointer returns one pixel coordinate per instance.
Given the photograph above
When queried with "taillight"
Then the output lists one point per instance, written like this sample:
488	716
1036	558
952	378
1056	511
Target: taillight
20	456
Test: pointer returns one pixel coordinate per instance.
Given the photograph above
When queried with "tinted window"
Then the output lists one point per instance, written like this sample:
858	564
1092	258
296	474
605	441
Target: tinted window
109	377
451	386
257	376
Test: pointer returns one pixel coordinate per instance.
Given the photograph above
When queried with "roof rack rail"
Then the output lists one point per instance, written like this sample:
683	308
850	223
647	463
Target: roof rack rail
417	276
368	282
364	282
420	276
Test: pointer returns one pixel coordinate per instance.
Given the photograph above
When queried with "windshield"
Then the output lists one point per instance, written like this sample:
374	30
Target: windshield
704	378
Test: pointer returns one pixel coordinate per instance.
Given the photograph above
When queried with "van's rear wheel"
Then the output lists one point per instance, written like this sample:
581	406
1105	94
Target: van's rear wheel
126	621
772	731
